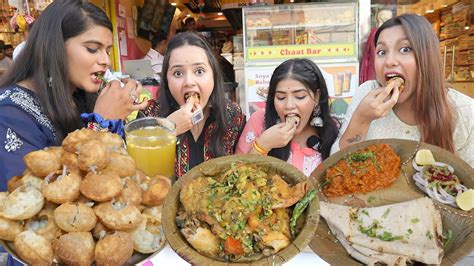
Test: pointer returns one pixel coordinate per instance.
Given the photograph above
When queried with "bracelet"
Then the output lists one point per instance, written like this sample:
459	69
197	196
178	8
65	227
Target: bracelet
98	123
95	126
259	148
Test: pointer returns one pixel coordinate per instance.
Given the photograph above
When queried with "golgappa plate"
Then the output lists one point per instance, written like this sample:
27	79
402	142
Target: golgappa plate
137	258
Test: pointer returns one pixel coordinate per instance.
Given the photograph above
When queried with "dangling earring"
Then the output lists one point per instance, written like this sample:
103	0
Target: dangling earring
50	82
317	121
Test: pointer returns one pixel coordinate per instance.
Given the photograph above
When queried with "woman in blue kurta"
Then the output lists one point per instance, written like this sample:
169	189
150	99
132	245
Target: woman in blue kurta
55	78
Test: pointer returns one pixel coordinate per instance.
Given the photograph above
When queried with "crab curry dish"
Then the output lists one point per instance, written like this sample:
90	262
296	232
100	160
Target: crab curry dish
241	214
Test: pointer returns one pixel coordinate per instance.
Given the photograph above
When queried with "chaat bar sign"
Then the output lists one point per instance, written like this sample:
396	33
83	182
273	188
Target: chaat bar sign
300	51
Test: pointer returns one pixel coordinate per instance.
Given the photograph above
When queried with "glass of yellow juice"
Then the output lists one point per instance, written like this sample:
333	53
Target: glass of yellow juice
151	142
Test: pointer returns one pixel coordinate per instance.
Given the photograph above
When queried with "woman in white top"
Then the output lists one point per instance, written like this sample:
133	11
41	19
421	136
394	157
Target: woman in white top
425	110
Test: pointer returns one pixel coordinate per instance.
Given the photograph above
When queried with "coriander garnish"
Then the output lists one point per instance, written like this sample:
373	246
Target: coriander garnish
371	199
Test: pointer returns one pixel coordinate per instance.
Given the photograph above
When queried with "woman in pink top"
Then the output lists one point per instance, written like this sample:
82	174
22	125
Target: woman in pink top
296	125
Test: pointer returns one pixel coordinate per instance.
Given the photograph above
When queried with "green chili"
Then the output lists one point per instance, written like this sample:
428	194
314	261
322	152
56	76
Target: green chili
299	208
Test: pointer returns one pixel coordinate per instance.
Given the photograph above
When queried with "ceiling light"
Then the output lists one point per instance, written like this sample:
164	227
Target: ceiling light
219	13
173	4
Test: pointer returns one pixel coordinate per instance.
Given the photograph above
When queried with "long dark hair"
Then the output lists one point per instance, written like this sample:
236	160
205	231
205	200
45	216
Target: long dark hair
308	73
44	57
217	101
431	106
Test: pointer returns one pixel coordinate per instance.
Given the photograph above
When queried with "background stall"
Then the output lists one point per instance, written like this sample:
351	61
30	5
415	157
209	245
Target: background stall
326	33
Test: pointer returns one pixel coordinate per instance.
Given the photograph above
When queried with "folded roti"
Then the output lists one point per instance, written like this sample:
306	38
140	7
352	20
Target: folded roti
366	255
391	234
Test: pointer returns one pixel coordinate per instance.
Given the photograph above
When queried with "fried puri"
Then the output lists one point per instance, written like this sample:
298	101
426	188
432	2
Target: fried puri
101	187
100	231
117	215
131	192
61	188
192	97
73	139
27	179
23	203
75	217
14	183
121	164
92	155
75	248
33	248
43	162
155	192
114	249
10	228
293	119
112	141
154	211
398	82
71	161
3	197
148	236
44	225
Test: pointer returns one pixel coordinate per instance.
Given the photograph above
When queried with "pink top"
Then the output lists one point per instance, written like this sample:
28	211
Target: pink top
304	158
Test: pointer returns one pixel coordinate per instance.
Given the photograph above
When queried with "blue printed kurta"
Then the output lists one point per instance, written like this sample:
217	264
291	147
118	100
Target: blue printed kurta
23	128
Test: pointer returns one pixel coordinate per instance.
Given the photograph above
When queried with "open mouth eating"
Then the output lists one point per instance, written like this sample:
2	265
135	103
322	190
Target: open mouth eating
396	80
99	76
194	97
292	118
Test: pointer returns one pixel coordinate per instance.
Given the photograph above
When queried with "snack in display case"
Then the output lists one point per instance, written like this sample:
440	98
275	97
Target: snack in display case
335	23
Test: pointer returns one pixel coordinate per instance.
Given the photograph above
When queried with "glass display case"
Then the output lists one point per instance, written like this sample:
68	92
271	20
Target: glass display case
316	30
326	33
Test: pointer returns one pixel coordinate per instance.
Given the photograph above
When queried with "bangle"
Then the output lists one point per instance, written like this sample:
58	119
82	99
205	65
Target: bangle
96	122
259	148
95	126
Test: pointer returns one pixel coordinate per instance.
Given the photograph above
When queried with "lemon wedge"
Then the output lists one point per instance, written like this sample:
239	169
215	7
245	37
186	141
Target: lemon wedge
424	157
465	201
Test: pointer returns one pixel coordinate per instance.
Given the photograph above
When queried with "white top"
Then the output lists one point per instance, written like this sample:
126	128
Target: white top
156	60
18	49
390	126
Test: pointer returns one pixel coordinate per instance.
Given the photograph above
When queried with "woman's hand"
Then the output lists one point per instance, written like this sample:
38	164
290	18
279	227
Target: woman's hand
277	136
377	104
117	102
183	118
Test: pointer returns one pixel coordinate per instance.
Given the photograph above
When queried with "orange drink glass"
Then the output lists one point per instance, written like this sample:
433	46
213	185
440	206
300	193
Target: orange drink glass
151	142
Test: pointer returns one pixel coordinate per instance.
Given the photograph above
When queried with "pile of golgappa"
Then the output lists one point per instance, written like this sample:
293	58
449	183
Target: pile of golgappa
83	202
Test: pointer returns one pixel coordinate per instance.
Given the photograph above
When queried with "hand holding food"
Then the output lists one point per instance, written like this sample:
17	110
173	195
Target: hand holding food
377	104
123	99
183	118
397	82
194	98
277	136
